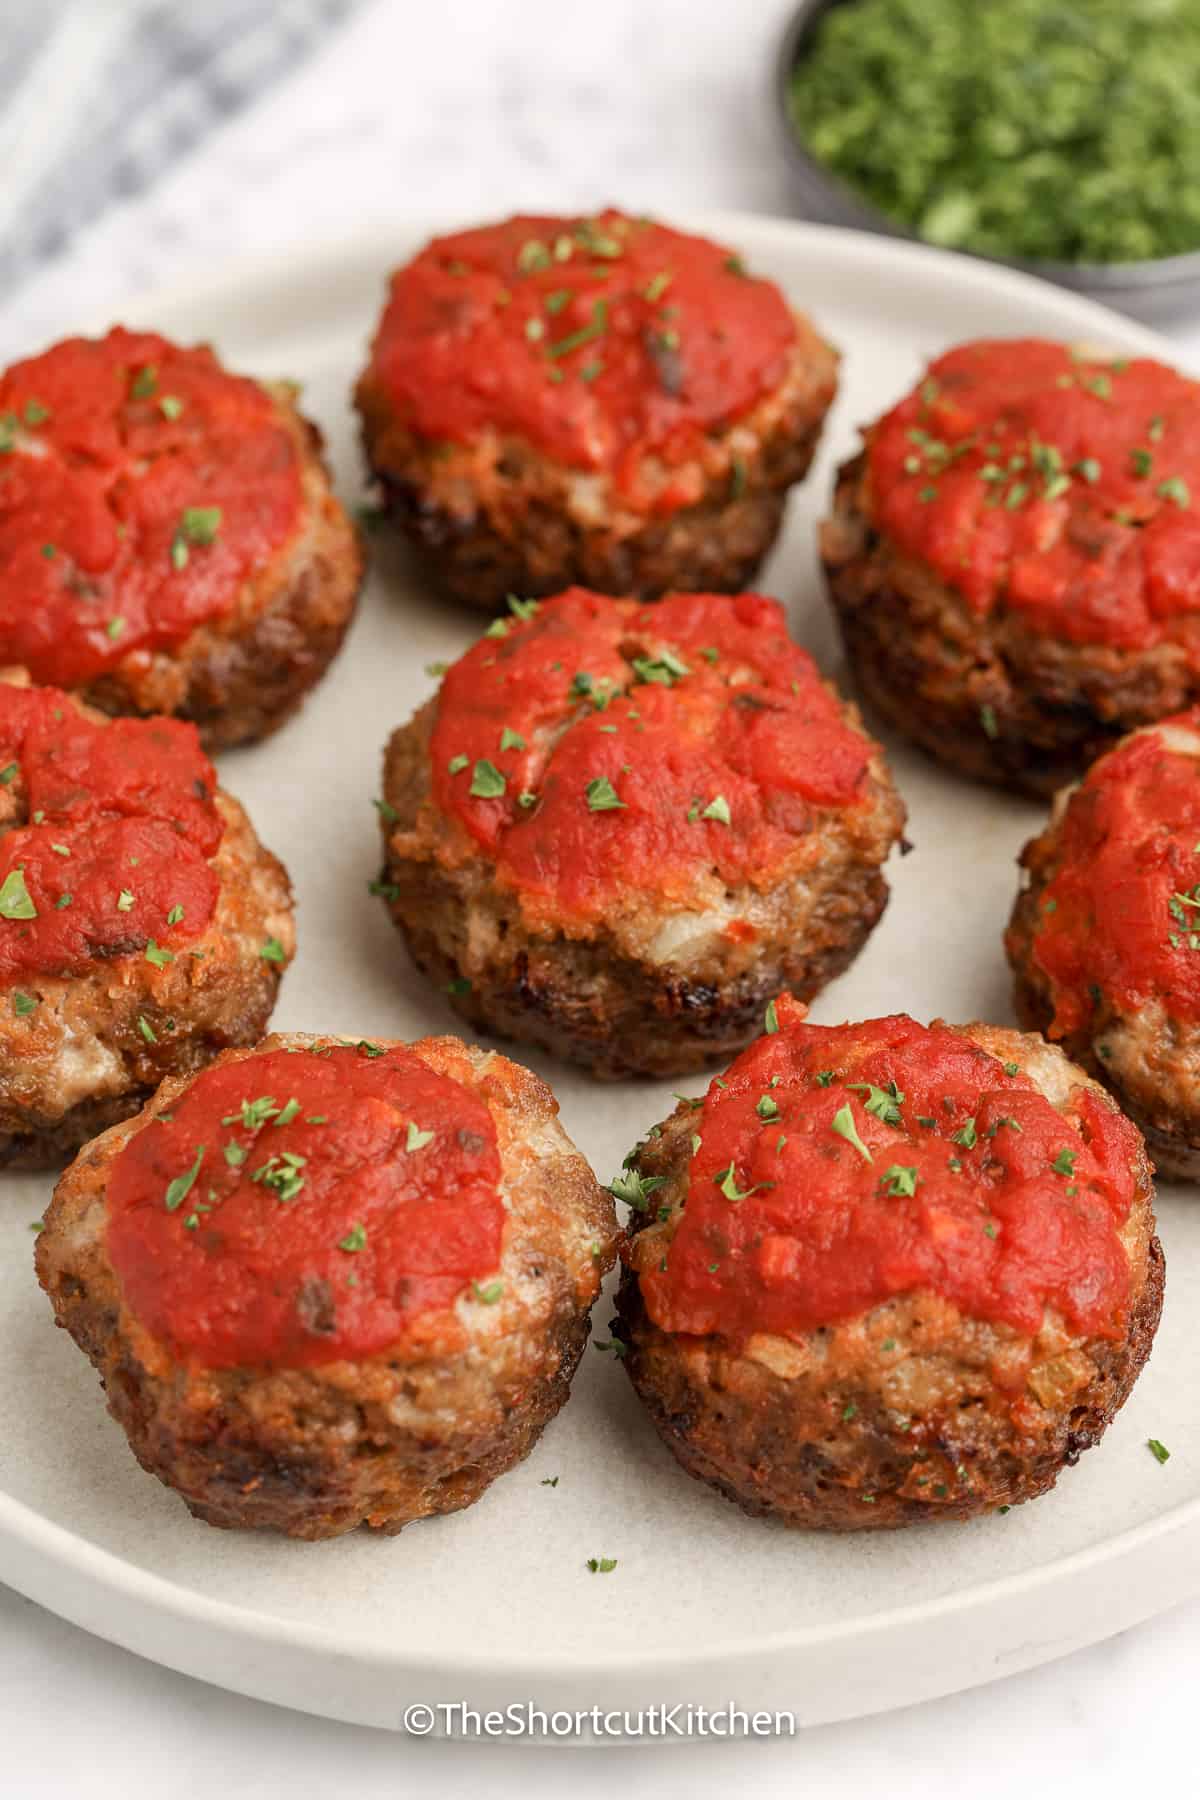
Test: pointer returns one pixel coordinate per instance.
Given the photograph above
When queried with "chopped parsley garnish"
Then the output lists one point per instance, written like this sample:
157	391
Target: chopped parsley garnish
253	1112
987	718
1064	1162
487	781
884	1103
457	764
124	900
771	1018
147	1030
1012	1068
15	902
767	1109
144	382
602	796
179	1189
1088	467
634	1188
170	406
23	1004
823	1077
511	740
234	1154
717	810
175	916
197	525
899	1179
488	1295
273	951
596	327
966	1135
9	774
282	1173
601	1565
1174	489
287	1113
416	1139
548	1481
843	1124
665	669
1158	1450
354	1240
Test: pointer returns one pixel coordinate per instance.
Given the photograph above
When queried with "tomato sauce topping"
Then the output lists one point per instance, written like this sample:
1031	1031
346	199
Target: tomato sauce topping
597	340
1119	923
301	1207
593	745
840	1166
140	488
108	831
1060	487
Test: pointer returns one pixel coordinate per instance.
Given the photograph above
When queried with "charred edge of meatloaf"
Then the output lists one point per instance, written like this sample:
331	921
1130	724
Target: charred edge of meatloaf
752	1448
716	546
617	1017
947	682
234	1472
52	1146
242	686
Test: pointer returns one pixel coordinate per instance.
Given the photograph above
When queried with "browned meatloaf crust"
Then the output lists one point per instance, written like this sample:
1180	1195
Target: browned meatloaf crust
990	697
495	518
240	677
317	1451
893	1416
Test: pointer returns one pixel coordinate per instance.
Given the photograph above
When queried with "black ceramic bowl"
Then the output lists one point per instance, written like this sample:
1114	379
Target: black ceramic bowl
1165	291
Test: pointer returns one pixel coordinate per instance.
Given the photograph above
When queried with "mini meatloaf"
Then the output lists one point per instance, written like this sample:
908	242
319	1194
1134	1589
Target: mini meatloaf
330	1284
1104	939
603	401
888	1272
619	830
143	927
169	541
1015	558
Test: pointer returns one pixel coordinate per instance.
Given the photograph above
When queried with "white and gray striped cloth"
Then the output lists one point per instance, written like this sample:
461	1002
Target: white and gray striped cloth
99	97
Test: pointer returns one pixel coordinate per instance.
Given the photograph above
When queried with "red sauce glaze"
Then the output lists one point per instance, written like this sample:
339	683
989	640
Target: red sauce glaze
597	340
120	826
111	452
583	704
1062	489
322	1223
1120	921
823	1234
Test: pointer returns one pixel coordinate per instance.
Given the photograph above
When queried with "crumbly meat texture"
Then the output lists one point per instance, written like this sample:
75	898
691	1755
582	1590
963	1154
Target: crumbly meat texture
1147	1059
650	992
496	516
990	697
317	1451
239	677
897	1415
82	1059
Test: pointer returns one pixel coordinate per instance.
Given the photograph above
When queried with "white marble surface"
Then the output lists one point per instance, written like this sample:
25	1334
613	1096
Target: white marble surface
470	107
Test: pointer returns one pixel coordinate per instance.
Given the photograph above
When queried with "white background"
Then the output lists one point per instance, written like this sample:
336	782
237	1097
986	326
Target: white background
476	107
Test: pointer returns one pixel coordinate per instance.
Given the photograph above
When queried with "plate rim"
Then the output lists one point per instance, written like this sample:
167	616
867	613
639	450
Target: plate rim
53	1549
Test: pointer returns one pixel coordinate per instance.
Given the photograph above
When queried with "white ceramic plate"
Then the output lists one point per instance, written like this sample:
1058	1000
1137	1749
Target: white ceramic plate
496	1604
